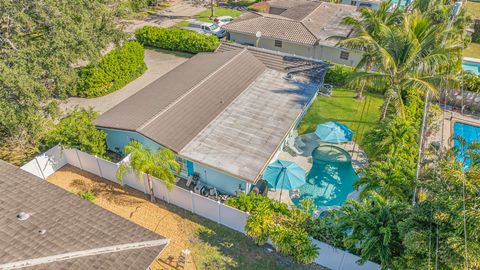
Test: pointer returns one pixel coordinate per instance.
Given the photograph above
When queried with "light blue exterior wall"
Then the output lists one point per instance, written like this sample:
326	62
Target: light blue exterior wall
221	181
117	139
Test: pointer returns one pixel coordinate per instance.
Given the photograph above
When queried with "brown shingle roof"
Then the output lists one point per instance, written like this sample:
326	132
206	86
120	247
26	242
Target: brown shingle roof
308	23
174	108
71	224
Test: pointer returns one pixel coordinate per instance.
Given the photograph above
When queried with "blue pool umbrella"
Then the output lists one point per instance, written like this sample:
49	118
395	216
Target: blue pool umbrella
284	175
333	132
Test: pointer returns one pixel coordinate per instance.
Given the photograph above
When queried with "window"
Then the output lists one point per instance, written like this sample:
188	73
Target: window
278	43
183	165
344	55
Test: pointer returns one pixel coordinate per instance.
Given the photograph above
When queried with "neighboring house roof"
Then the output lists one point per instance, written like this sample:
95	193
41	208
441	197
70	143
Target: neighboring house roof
309	23
229	101
65	231
286	3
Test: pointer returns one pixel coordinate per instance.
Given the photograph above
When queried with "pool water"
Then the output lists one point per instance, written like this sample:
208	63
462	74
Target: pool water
469	133
473	67
331	178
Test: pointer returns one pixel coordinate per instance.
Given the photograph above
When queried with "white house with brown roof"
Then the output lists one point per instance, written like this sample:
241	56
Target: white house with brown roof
309	29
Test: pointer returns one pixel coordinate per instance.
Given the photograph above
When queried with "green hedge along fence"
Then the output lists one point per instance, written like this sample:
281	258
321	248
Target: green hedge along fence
176	39
116	69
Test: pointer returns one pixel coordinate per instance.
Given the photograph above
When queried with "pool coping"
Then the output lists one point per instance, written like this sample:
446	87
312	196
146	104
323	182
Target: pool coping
471	59
452	117
359	161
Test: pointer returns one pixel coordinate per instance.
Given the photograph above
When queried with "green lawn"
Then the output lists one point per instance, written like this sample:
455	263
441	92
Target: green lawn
473	9
205	15
342	107
473	50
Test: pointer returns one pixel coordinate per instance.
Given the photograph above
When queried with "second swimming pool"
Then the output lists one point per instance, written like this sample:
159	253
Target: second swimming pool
331	178
469	133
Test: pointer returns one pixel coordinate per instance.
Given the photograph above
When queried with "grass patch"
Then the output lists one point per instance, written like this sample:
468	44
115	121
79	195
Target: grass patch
473	9
473	50
204	16
343	108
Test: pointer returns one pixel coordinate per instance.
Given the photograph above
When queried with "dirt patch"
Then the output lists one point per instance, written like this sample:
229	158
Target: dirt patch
134	206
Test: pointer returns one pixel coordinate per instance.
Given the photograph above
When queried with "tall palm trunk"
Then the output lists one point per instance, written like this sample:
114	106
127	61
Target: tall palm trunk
150	188
385	107
212	6
360	91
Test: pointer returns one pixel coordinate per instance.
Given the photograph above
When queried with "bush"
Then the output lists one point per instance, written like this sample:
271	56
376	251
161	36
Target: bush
286	228
338	75
77	130
263	7
87	195
471	82
251	202
116	69
176	39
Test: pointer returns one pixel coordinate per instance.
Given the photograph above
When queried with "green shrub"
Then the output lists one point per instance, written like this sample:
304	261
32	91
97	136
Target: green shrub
78	131
251	202
176	39
338	75
87	195
471	82
116	69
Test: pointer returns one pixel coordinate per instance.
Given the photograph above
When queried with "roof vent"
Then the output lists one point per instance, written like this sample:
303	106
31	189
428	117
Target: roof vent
42	231
23	216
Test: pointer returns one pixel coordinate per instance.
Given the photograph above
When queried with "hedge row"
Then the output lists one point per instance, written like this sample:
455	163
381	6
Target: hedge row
176	39
471	82
116	69
341	76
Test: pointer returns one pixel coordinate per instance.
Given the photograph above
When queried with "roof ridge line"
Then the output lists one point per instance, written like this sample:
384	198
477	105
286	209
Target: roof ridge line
149	121
310	31
83	253
309	14
226	108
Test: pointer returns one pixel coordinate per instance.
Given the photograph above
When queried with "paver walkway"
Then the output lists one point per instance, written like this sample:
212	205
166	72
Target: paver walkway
158	63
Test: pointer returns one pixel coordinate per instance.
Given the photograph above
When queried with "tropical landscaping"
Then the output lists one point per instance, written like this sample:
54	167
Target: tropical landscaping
413	54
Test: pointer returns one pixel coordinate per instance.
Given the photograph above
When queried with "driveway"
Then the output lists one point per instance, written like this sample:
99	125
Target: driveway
169	17
159	62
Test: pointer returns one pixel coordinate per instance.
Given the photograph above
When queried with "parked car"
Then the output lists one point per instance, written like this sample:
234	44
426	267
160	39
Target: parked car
205	28
222	20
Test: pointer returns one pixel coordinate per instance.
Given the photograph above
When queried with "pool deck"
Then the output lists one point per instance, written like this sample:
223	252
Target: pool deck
449	118
310	140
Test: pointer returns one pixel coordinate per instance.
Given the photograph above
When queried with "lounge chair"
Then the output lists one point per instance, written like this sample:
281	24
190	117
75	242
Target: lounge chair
295	194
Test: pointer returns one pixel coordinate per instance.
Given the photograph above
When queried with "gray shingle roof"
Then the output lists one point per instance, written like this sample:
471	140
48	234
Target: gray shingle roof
71	224
308	23
197	108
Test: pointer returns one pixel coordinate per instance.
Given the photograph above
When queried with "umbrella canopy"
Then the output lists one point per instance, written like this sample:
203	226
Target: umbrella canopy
284	175
333	132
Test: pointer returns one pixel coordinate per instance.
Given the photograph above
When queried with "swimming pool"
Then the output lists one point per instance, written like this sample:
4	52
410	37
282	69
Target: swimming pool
468	132
473	67
331	178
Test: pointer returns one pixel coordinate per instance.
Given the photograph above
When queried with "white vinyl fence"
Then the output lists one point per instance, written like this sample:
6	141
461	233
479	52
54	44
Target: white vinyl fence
49	162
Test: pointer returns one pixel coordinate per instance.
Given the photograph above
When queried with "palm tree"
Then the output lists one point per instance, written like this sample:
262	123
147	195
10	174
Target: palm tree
373	225
373	23
408	56
160	164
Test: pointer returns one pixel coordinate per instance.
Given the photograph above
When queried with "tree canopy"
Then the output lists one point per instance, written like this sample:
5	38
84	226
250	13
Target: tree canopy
41	43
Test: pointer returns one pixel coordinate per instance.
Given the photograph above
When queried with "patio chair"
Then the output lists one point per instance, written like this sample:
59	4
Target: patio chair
261	188
326	90
295	194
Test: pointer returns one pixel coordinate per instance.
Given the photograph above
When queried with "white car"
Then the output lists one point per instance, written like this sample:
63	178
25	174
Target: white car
205	28
222	20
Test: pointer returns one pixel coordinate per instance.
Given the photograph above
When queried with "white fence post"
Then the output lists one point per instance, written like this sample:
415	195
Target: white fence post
40	168
219	213
193	202
99	168
79	160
